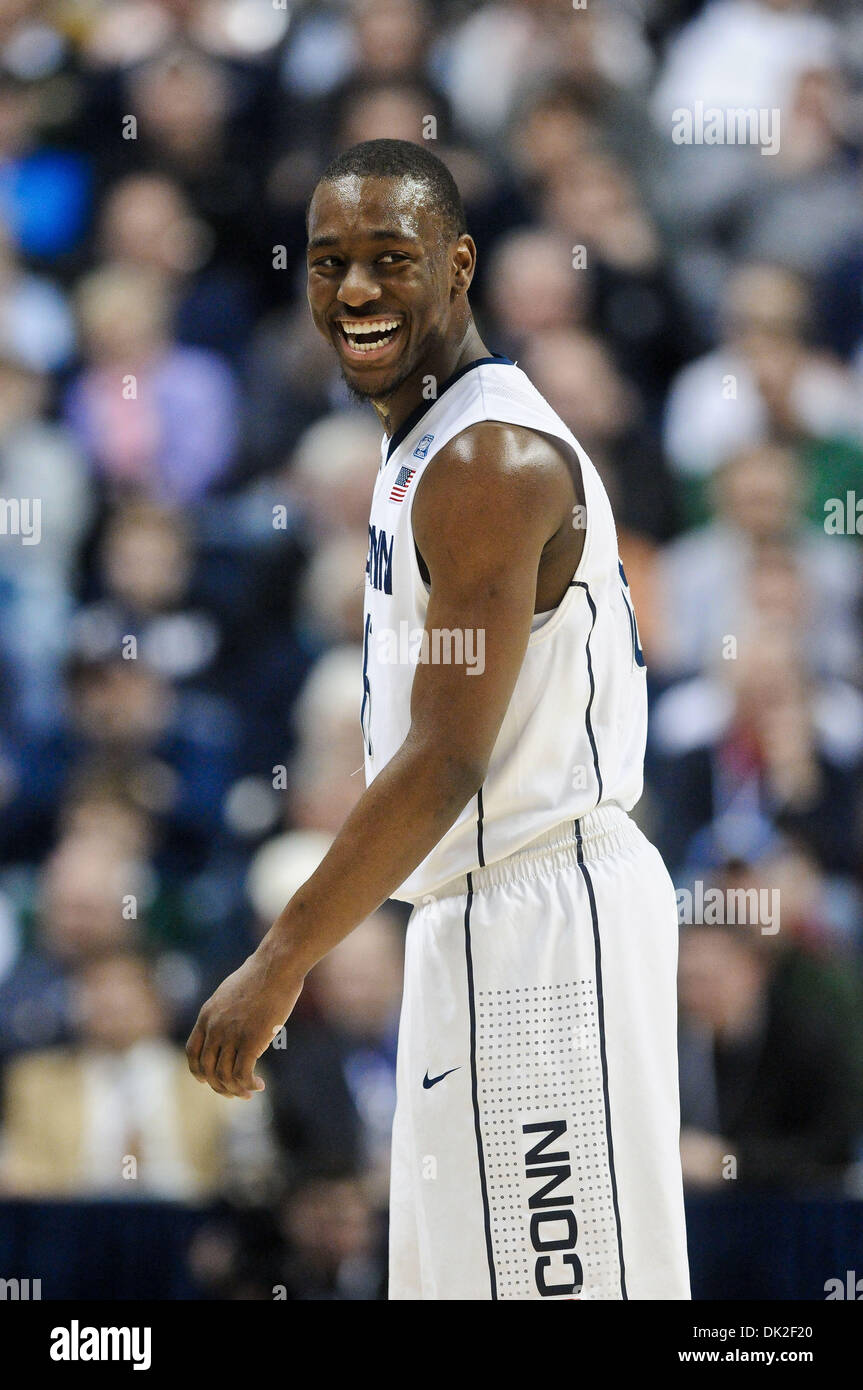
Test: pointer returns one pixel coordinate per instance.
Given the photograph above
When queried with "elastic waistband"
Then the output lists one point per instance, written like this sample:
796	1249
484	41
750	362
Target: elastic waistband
592	836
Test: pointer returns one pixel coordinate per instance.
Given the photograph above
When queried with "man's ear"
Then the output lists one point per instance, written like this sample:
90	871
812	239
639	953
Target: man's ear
463	263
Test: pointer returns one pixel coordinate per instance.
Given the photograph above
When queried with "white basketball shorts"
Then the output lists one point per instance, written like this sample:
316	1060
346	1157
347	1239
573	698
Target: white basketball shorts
535	1143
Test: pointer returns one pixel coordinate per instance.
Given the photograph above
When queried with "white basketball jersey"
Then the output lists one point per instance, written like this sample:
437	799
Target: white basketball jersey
573	736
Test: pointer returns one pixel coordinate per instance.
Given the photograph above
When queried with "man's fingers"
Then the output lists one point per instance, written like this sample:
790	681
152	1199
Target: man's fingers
210	1058
244	1070
193	1050
226	1072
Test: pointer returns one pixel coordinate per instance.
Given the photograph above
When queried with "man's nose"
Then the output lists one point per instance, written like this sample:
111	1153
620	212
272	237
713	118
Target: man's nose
358	287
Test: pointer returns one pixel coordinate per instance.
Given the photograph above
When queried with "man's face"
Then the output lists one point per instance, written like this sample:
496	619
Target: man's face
380	278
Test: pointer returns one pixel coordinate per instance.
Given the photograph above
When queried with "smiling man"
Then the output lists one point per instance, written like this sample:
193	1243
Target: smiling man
535	1147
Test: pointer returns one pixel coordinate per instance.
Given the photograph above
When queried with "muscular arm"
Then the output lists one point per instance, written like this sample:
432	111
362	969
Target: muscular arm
482	515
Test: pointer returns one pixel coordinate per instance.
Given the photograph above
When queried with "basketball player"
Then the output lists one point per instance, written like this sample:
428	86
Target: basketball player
535	1146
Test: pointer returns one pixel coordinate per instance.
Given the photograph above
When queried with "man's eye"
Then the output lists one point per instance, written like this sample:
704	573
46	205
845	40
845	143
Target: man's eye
393	256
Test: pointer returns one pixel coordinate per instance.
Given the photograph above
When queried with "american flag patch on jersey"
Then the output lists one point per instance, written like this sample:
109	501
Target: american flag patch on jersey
402	483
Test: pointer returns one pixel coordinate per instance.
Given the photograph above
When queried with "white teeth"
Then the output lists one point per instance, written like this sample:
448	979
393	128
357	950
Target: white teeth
376	326
353	331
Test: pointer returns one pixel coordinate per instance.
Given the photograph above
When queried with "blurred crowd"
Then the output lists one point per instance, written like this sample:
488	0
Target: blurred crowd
184	492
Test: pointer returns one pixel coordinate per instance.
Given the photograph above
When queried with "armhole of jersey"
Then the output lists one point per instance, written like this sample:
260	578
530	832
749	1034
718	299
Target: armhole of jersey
423	590
551	624
589	509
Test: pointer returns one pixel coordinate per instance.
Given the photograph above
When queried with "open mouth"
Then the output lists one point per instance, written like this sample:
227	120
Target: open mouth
368	339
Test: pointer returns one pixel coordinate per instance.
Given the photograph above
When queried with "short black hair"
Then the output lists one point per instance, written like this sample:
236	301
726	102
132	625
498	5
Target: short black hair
403	159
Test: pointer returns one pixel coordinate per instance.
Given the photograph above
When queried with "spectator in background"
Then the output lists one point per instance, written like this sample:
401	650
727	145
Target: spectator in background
125	32
320	495
155	418
762	733
318	783
532	286
45	193
821	913
633	303
36	324
334	1245
189	108
765	381
387	41
326	771
377	38
323	1242
106	802
332	471
147	220
117	1113
182	742
742	53
770	1060
708	578
42	462
178	744
147	555
39	459
551	128
367	106
505	47
707	192
608	59
102	806
79	915
331	598
838	295
575	372
805	207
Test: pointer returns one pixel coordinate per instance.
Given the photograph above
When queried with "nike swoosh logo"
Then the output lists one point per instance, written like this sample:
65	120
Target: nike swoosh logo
429	1081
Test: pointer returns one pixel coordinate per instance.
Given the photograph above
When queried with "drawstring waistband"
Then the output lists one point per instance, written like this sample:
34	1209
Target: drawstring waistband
592	836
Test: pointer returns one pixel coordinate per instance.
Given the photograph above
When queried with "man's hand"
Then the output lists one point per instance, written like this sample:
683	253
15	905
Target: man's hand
239	1022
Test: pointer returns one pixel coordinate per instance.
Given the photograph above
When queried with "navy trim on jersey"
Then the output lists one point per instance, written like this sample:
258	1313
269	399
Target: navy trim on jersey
479	819
367	690
580	584
600	1010
417	414
474	1088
